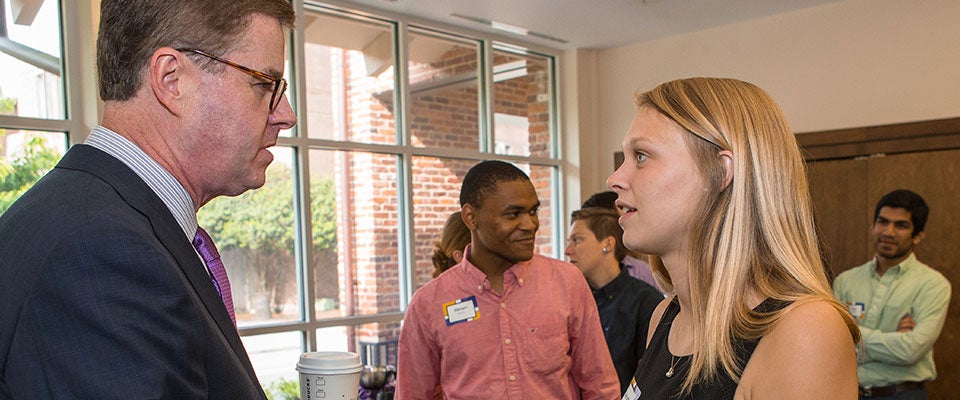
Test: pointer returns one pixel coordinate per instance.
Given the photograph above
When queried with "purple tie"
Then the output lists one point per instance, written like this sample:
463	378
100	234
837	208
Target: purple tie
204	245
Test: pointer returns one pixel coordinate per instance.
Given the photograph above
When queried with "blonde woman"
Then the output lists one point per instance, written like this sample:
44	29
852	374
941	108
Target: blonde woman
714	187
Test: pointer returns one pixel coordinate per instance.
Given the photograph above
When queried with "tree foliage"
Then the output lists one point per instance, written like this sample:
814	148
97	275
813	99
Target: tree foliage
283	389
261	224
19	174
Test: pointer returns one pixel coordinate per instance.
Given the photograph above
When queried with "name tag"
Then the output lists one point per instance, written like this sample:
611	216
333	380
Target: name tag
461	310
633	392
856	309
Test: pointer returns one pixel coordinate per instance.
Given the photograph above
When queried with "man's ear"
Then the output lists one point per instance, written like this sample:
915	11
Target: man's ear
469	216
166	72
727	162
919	237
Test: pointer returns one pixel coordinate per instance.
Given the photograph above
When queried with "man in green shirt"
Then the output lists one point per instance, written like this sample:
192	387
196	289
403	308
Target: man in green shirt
899	303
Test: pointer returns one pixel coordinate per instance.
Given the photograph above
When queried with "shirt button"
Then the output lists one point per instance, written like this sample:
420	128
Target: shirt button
503	305
507	341
512	377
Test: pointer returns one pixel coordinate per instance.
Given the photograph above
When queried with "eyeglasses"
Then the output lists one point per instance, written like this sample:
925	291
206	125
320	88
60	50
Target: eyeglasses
279	84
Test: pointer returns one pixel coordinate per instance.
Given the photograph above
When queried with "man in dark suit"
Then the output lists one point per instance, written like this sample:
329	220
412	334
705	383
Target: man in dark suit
108	289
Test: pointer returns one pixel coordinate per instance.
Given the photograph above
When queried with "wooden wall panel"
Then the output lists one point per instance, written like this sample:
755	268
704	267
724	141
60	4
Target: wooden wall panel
910	137
844	194
838	189
933	175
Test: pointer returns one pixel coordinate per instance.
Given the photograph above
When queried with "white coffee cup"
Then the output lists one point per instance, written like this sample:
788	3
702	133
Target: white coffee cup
329	375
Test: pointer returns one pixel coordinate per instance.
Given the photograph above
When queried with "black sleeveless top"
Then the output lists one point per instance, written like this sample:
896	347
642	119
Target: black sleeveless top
651	374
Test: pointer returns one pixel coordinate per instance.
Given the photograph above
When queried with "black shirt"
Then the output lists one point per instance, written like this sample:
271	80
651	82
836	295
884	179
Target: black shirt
625	306
651	375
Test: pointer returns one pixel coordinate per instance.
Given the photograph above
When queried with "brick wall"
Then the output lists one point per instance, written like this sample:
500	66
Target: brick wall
445	116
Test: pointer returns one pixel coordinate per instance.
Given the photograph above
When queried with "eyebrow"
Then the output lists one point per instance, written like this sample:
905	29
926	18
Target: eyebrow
274	73
634	140
511	207
881	218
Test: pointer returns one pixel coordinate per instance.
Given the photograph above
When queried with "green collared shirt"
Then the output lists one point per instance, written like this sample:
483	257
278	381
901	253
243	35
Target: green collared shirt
885	356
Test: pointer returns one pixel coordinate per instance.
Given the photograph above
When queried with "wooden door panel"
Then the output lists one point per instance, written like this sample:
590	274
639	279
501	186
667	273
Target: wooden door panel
838	189
845	193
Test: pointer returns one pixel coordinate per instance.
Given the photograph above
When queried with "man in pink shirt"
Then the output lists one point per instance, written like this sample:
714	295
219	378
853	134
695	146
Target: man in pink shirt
504	323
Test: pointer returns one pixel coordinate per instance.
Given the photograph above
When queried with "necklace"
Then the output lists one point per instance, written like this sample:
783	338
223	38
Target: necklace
673	363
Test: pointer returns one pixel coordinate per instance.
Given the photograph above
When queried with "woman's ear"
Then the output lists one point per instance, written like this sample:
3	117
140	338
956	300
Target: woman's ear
457	255
727	162
609	243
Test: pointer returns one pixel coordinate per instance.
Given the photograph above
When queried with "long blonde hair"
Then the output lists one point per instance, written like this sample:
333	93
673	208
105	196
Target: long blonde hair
757	233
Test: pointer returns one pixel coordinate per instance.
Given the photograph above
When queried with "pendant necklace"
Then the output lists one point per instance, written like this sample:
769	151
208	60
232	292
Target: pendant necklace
673	363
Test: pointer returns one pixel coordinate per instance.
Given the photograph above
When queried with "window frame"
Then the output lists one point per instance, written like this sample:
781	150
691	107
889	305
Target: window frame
78	76
302	144
79	22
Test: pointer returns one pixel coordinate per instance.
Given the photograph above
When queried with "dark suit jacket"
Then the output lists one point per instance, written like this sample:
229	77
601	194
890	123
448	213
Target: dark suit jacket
103	297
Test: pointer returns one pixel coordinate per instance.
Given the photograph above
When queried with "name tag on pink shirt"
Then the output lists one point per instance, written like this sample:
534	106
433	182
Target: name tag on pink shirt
461	310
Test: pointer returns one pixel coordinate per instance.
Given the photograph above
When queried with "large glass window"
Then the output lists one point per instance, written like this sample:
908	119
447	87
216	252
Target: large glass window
271	354
350	78
444	84
523	104
33	132
393	115
436	194
356	253
25	156
544	180
31	81
255	233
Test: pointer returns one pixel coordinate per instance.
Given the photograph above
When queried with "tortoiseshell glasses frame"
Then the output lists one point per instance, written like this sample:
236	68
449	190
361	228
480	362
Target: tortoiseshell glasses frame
279	84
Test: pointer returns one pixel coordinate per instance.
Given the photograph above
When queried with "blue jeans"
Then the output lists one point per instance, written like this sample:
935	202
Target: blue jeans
916	394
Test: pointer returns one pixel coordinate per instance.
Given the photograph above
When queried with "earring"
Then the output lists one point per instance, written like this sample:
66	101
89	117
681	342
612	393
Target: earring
605	251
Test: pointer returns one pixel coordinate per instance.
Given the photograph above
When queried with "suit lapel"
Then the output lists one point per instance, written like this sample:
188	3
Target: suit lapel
140	197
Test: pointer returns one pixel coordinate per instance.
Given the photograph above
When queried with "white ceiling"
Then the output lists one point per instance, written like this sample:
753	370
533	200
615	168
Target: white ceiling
594	24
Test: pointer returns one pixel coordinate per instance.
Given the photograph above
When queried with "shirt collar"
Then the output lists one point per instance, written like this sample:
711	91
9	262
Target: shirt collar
617	285
904	266
511	277
168	188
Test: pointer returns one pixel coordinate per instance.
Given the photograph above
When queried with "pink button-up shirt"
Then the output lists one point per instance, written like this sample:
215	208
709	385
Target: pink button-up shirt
541	339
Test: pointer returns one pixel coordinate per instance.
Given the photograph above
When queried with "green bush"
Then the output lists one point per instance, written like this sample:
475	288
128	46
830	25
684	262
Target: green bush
19	174
283	389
